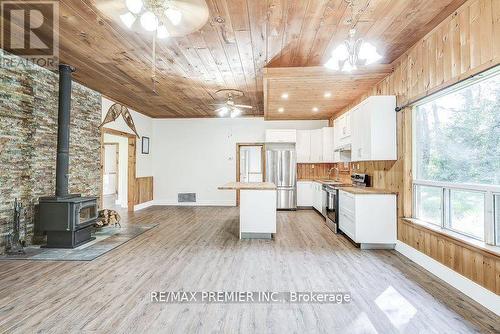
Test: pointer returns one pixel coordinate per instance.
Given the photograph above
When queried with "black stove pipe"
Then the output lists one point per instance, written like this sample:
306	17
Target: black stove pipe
63	127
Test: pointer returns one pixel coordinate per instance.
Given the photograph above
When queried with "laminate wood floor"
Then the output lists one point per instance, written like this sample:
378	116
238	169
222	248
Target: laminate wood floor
196	248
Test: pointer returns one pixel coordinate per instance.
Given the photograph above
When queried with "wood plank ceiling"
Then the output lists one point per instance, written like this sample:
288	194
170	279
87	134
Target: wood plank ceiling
255	34
315	92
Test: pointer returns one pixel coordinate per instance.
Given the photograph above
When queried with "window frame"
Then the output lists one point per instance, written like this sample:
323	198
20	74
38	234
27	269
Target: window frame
489	191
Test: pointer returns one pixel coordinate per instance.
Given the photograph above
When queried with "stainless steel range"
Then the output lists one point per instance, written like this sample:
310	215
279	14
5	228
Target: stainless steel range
332	198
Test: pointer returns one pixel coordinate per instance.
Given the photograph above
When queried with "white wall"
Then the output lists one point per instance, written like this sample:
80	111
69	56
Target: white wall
144	126
198	155
122	167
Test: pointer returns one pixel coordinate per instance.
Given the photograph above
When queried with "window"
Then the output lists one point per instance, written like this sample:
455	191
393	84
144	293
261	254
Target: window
456	145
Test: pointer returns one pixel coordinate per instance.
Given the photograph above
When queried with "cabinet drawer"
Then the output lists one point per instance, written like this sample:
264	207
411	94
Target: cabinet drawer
347	225
346	212
346	201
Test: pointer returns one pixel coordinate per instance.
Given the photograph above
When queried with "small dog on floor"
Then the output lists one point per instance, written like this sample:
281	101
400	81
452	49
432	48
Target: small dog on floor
108	217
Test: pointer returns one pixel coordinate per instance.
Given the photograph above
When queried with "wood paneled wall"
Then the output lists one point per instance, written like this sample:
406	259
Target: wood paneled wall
143	189
480	266
464	44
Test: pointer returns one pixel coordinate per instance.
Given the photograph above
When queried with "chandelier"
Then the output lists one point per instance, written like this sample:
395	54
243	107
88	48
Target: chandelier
352	52
152	15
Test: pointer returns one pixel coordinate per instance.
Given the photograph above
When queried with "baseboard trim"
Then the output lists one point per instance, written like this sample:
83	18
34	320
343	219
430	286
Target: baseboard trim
198	203
143	205
483	296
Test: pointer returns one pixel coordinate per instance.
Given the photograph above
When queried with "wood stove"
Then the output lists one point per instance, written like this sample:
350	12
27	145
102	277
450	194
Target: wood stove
67	219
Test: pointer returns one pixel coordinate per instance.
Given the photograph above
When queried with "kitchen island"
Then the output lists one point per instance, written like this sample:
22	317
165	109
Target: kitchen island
257	208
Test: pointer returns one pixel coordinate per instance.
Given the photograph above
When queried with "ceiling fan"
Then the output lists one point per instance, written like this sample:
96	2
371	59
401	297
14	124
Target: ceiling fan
229	106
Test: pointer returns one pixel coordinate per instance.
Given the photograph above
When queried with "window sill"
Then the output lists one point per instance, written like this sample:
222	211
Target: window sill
468	241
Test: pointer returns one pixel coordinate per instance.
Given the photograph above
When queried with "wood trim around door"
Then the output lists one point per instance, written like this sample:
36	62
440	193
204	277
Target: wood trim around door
131	165
263	162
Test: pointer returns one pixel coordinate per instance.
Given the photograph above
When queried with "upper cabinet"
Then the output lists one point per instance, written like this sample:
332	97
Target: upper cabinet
328	144
316	146
374	129
281	136
303	146
342	130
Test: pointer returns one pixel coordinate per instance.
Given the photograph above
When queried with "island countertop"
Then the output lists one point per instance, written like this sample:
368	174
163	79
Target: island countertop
368	191
248	186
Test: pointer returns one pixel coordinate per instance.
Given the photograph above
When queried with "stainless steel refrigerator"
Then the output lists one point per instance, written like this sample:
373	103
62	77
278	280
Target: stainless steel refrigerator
281	169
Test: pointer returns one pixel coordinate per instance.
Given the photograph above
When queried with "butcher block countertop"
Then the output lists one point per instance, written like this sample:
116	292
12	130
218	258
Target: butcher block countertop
248	186
367	191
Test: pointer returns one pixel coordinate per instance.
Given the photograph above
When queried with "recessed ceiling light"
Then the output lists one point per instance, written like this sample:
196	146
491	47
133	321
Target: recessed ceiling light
315	109
327	94
284	96
281	109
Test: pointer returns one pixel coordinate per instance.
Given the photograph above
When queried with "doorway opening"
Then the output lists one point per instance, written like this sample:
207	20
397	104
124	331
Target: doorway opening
118	159
250	164
111	190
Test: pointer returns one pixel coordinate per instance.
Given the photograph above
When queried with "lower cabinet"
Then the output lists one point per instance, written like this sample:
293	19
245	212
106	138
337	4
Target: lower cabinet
310	193
317	196
304	193
369	219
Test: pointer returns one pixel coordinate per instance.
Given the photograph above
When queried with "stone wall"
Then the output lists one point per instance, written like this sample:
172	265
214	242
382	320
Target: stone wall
28	137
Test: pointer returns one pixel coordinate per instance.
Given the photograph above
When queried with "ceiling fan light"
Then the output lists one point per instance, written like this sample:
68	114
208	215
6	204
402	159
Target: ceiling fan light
162	32
369	53
174	15
235	113
223	111
149	21
135	6
128	19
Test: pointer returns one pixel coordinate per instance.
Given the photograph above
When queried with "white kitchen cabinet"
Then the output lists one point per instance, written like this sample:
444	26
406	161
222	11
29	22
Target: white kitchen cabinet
368	219
357	133
316	145
317	196
345	125
336	140
328	144
281	136
303	146
342	130
374	129
304	193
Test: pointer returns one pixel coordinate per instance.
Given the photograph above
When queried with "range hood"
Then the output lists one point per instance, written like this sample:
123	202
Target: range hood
344	148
